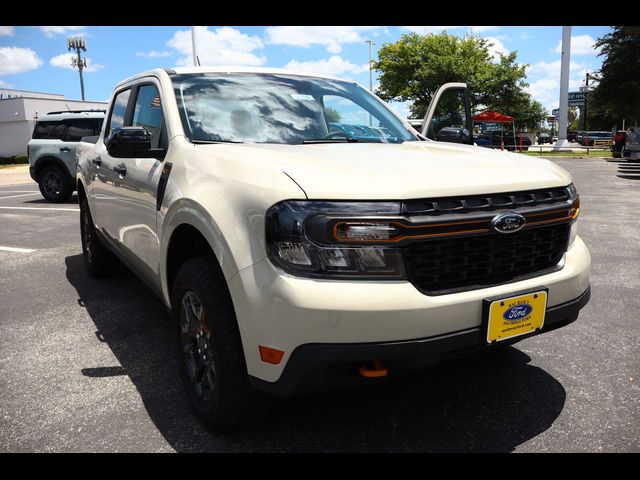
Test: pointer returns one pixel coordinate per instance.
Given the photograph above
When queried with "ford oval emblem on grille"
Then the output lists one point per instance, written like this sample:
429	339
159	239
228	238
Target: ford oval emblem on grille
517	312
508	222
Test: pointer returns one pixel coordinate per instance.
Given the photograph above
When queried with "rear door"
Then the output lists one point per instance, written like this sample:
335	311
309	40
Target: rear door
448	117
103	167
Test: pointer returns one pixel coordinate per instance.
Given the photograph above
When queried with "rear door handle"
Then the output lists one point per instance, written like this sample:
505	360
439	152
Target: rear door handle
120	169
65	149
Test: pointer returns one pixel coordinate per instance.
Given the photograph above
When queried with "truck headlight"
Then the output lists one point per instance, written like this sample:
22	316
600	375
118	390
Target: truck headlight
575	213
335	239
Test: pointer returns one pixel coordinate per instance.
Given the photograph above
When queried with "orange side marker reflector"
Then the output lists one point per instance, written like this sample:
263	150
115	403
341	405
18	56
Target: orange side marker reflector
374	369
270	355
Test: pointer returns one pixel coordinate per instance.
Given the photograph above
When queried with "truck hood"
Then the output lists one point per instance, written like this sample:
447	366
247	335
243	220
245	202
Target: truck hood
376	171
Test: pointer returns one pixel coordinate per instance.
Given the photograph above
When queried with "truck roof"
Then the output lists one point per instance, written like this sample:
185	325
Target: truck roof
227	69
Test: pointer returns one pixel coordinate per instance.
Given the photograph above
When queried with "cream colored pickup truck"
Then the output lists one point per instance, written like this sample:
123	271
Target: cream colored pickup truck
303	233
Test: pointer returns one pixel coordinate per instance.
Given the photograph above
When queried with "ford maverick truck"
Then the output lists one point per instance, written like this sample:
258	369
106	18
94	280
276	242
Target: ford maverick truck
301	232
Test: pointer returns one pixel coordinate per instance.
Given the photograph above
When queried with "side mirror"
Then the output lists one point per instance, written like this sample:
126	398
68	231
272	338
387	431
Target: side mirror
454	135
128	142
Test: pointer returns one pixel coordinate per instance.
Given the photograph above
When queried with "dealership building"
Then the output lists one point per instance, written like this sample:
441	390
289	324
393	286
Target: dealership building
19	110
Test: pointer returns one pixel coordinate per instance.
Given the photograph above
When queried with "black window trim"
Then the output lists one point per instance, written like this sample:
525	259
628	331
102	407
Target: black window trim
128	111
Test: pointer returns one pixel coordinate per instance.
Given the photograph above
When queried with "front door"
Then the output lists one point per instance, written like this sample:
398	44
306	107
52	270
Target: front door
136	188
448	117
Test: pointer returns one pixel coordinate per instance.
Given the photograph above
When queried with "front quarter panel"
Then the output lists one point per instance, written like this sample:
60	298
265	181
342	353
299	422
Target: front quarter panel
226	198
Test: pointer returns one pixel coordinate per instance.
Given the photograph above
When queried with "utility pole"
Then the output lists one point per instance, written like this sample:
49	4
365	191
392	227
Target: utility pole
586	99
371	43
564	89
78	44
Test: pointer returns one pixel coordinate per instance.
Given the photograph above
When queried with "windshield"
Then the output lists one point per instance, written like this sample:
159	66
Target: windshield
274	108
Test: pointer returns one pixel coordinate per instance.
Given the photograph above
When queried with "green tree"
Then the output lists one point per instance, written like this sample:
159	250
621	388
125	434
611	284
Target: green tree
616	94
332	115
415	66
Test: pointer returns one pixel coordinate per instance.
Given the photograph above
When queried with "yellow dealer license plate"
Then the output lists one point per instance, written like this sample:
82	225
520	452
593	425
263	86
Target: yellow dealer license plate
515	316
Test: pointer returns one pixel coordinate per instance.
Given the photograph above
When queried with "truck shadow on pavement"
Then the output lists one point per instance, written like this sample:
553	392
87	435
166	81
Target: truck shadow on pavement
491	403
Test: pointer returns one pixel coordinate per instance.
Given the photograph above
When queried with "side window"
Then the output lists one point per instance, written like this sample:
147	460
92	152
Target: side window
449	112
97	126
43	129
58	131
116	118
345	116
76	129
147	113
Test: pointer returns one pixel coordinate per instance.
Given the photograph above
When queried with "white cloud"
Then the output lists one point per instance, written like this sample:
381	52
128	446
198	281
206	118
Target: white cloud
425	30
580	45
334	66
4	84
153	54
18	60
64	61
6	31
544	81
331	37
51	31
483	29
496	48
223	46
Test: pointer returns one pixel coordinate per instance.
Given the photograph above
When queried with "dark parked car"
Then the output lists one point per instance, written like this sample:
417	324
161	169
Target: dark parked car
588	138
511	142
545	138
619	139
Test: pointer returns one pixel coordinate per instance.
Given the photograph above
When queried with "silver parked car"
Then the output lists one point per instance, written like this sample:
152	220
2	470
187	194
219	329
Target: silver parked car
52	149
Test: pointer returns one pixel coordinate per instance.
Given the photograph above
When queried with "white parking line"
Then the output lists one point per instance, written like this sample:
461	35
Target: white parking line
23	195
17	250
18	191
43	209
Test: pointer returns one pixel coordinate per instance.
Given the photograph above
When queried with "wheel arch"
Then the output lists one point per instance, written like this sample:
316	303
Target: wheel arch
47	160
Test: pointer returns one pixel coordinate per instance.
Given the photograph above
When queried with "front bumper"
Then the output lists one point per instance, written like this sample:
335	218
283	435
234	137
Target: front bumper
319	365
287	313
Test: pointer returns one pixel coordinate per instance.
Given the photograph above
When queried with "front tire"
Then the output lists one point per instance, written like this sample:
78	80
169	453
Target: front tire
99	261
54	184
210	351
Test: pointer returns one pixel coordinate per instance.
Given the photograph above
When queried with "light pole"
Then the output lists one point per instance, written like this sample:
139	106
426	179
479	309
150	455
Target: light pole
196	61
371	43
78	44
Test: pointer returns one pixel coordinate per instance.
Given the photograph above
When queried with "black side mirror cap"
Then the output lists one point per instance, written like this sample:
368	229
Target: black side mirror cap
129	142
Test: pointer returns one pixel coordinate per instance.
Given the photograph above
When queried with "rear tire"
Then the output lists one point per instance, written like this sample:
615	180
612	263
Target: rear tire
99	261
54	184
210	353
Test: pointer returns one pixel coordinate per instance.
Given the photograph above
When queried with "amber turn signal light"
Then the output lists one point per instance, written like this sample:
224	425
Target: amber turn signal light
270	355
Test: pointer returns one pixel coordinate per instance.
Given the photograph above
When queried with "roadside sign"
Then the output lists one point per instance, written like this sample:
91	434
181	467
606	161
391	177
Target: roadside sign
555	112
577	99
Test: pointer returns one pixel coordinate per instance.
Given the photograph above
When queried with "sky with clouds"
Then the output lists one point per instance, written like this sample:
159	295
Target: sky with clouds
36	58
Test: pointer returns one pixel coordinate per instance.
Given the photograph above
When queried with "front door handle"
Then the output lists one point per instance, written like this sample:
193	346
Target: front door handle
97	162
120	169
65	149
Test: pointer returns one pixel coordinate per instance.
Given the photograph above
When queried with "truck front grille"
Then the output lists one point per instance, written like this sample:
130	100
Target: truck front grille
447	265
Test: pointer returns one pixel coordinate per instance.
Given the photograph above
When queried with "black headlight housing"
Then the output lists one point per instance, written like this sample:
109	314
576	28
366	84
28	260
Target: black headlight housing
315	239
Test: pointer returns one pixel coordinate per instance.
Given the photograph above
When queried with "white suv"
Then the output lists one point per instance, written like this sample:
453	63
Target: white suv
52	150
301	232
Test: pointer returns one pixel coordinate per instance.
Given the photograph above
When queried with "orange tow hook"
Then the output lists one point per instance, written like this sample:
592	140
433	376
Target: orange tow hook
373	369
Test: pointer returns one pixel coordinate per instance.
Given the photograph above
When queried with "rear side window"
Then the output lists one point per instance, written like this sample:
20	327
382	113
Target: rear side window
82	127
49	130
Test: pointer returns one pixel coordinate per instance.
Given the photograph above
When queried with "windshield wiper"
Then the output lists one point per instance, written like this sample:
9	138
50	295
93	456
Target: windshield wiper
213	141
330	140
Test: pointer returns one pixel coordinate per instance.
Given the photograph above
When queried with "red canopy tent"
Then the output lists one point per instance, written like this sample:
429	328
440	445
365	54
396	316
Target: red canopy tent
495	117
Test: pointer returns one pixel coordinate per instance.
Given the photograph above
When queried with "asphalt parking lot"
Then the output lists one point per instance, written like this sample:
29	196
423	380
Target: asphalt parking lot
88	365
